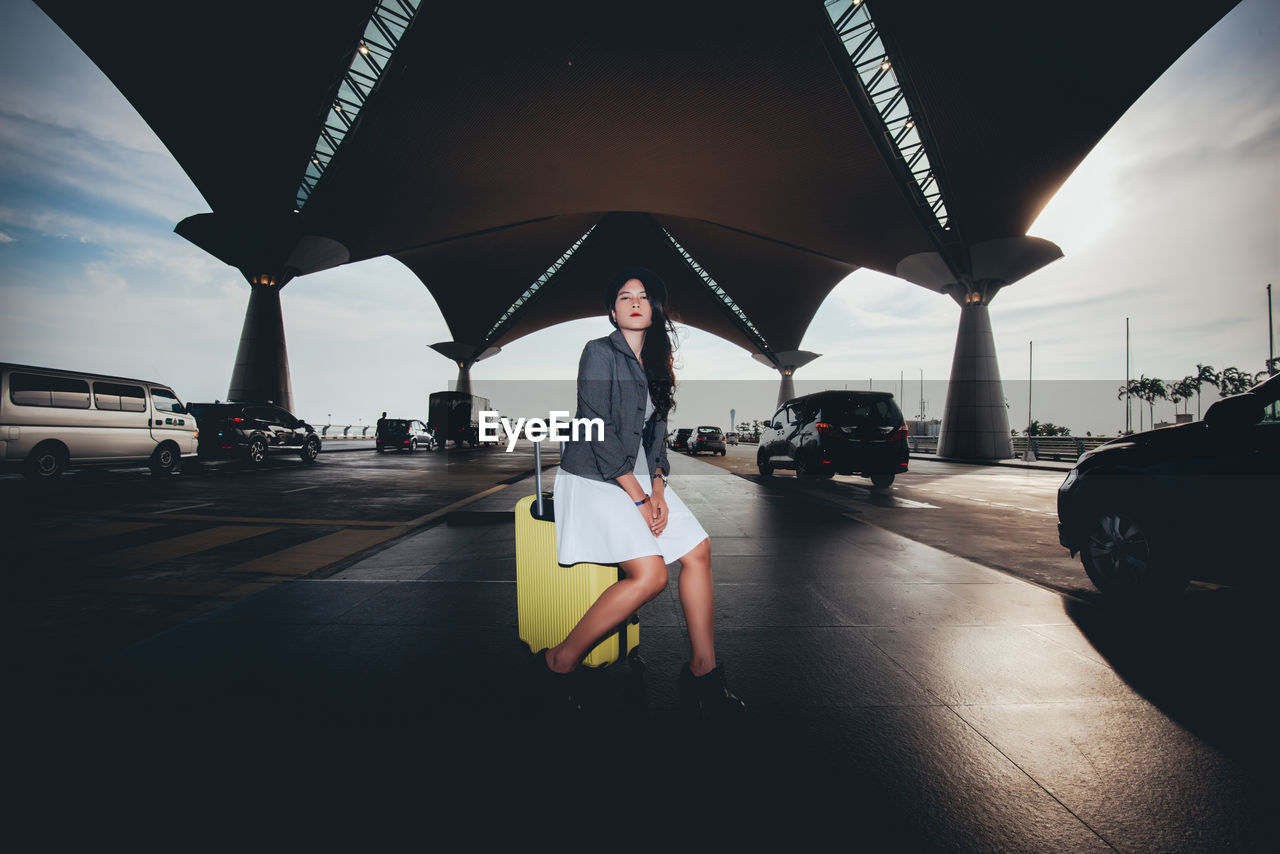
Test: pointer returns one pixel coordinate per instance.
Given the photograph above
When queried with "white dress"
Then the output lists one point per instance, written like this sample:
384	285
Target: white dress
597	522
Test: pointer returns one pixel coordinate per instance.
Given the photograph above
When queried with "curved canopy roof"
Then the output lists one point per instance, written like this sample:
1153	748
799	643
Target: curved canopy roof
500	133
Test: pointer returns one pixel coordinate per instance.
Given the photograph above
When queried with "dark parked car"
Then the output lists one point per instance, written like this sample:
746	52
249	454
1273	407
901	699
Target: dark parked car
681	440
707	440
404	434
250	431
1150	511
849	432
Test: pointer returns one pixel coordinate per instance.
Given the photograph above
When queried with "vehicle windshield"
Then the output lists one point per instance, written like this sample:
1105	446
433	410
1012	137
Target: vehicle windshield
861	411
397	424
705	431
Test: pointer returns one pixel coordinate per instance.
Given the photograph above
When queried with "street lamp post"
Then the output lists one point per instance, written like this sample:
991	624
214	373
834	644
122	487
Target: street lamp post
1030	351
1271	338
922	395
1128	407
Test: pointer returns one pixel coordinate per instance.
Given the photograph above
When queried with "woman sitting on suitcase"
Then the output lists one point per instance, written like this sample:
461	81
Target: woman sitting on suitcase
611	497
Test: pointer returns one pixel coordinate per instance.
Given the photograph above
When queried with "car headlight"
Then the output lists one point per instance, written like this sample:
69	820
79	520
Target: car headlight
1071	478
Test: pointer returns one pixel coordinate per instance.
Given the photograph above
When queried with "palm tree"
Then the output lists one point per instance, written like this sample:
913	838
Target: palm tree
1180	391
1234	381
1204	374
1152	389
1132	388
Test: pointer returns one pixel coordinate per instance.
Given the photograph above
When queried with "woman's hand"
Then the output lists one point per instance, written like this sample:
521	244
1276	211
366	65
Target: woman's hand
659	515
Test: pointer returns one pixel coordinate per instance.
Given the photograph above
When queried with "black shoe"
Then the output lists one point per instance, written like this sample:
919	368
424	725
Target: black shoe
707	695
556	692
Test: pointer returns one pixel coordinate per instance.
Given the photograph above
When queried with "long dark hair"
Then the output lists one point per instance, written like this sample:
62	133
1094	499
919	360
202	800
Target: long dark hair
656	356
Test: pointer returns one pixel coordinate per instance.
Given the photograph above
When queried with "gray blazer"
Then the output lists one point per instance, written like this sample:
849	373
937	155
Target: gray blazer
612	386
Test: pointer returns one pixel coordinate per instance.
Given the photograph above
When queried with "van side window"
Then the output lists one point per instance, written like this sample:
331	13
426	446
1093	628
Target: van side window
165	400
36	390
125	398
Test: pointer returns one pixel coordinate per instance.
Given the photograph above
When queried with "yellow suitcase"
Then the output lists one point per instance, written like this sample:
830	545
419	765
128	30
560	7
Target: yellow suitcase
550	598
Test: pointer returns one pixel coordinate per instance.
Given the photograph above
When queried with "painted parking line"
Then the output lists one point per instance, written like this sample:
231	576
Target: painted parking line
306	558
150	554
316	554
436	514
187	507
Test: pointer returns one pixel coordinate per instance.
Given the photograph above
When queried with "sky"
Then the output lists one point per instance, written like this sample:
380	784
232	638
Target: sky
1172	221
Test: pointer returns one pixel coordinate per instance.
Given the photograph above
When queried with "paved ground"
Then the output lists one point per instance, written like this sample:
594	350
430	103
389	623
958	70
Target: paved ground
1004	517
901	696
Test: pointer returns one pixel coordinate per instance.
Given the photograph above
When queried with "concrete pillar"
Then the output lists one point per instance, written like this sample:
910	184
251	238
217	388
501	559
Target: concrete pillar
464	378
786	388
975	422
786	363
261	371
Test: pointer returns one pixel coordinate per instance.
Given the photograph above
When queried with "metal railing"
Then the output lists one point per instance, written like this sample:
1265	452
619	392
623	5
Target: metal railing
345	431
1059	448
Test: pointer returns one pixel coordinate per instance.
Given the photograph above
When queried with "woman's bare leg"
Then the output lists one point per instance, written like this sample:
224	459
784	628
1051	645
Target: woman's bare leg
698	601
646	577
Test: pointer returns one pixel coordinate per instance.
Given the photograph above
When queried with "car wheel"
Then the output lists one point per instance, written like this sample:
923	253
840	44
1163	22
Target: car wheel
165	459
766	467
257	451
1123	559
380	448
413	445
882	481
310	450
722	453
45	462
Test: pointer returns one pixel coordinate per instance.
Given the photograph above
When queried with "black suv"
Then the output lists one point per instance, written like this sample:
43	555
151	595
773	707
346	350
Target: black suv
1148	512
681	440
404	434
850	432
249	431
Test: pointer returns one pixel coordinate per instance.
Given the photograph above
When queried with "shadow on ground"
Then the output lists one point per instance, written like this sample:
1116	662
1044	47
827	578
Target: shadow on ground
1207	661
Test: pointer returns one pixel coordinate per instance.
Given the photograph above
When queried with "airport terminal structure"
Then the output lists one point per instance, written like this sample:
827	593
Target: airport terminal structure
515	156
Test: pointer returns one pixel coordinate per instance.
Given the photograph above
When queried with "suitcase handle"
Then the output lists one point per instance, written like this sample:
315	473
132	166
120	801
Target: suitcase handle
537	469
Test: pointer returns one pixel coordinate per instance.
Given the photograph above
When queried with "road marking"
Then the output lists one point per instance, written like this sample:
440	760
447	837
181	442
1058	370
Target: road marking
97	531
187	507
907	502
253	520
176	547
436	514
312	555
308	557
295	561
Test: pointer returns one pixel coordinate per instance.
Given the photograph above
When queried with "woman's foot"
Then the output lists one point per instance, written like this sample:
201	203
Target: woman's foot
556	691
708	695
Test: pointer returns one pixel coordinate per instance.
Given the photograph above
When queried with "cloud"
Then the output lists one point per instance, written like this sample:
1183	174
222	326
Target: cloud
4	238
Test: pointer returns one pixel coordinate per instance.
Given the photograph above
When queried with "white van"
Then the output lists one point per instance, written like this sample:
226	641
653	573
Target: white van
52	419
